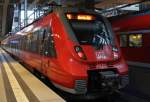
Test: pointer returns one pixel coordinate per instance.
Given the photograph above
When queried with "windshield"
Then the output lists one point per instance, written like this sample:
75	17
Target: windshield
91	32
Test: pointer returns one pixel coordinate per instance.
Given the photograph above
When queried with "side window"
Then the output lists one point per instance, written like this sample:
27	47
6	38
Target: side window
17	44
123	40
29	36
25	46
49	47
40	40
135	40
34	46
21	44
131	40
14	43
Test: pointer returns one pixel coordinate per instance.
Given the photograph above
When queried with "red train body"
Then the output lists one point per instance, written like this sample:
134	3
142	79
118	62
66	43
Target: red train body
76	50
135	25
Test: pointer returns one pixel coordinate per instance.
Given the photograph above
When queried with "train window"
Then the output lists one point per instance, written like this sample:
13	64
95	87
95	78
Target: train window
91	32
21	43
135	40
14	43
49	49
34	46
123	40
29	36
38	42
24	45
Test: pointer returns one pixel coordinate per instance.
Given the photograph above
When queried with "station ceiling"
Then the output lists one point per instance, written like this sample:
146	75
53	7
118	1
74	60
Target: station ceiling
7	8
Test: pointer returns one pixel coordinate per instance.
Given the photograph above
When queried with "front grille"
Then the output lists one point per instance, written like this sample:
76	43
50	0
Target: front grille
81	86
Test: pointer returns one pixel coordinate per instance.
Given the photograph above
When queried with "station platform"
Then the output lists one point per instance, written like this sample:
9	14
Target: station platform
18	85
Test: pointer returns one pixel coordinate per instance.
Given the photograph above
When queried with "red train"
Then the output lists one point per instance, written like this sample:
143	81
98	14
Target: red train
74	49
134	33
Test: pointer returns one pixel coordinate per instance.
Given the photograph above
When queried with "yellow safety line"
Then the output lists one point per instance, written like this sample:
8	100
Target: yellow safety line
2	88
18	92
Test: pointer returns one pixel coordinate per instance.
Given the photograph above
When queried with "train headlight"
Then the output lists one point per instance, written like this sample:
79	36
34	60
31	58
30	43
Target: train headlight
116	56
115	53
115	49
80	52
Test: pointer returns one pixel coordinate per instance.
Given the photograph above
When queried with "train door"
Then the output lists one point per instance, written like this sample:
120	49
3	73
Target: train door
48	51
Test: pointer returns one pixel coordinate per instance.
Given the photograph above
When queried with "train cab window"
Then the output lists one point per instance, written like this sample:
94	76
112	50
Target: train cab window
90	30
48	47
135	40
123	40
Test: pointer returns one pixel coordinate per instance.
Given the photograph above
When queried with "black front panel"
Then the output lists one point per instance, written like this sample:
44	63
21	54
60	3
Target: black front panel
100	81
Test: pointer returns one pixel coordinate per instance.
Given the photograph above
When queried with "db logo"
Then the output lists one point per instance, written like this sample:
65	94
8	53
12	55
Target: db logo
100	55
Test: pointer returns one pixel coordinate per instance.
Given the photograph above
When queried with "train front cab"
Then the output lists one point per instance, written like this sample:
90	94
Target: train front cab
88	53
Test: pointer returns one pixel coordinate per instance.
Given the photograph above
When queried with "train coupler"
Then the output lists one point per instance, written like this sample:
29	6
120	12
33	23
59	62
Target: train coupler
102	81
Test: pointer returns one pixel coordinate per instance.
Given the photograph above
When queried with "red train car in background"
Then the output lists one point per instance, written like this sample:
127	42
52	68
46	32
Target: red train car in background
133	31
74	49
